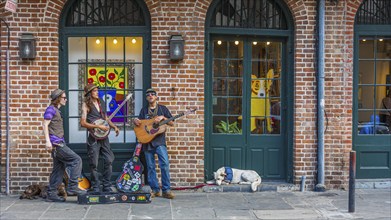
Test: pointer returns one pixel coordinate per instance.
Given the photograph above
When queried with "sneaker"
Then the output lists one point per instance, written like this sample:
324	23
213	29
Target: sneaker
155	194
75	192
54	198
168	195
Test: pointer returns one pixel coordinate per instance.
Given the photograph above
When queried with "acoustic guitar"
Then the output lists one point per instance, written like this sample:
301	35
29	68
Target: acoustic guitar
149	129
100	134
130	178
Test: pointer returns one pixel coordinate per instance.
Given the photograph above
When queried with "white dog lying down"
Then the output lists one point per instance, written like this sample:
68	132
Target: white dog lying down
227	175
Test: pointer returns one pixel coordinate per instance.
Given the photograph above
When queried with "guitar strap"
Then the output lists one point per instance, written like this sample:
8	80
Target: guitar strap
153	113
100	110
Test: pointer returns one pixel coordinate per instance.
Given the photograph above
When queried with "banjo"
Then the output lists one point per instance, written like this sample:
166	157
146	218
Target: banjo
100	134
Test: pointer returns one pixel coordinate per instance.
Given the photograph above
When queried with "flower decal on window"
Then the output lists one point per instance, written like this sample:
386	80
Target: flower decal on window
113	82
92	72
108	77
111	76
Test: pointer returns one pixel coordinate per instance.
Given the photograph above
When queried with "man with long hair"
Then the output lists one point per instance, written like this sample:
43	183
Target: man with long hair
91	112
63	156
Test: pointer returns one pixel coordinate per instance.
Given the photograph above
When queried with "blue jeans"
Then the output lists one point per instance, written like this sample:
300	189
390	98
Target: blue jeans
164	165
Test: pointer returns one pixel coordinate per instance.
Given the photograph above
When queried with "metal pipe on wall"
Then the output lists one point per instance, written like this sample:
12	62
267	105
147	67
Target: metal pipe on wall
320	95
7	109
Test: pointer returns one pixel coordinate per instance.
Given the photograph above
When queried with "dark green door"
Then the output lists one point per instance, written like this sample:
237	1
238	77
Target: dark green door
372	90
372	133
245	117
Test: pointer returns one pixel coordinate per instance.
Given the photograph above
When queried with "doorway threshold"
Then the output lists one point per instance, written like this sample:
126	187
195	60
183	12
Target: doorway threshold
373	183
267	185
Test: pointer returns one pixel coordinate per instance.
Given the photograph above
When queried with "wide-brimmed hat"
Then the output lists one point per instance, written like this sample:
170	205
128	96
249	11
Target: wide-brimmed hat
150	90
56	93
88	88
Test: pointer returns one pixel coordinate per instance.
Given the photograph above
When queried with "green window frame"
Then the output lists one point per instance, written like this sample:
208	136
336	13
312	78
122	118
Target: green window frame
374	85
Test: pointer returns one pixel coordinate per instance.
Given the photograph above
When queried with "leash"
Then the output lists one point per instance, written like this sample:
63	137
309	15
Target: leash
191	187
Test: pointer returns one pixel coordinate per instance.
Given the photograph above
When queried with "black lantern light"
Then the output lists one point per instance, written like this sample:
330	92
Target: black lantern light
27	46
177	45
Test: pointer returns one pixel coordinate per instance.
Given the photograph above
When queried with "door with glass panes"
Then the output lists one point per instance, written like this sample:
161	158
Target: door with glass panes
372	133
247	121
372	90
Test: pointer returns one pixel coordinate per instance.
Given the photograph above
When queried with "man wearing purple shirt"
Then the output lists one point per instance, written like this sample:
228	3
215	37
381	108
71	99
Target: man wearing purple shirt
63	156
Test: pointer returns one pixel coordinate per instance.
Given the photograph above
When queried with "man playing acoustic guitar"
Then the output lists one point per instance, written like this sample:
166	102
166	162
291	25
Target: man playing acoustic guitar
91	112
156	146
63	156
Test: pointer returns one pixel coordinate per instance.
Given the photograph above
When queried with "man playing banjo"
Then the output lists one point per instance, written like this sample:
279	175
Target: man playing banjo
91	113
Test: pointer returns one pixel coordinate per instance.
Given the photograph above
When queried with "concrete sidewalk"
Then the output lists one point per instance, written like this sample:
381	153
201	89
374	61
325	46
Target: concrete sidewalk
333	204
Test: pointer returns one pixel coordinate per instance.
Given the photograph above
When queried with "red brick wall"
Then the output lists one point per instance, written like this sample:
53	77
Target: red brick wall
30	83
181	84
339	20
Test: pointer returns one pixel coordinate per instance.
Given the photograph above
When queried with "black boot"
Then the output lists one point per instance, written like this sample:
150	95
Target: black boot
74	191
94	191
53	197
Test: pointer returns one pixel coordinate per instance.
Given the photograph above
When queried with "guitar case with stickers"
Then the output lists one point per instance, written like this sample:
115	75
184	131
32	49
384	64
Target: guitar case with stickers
129	185
130	178
109	198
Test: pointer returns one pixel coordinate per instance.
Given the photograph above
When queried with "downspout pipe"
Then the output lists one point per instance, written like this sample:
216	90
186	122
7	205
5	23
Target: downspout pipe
7	191
320	186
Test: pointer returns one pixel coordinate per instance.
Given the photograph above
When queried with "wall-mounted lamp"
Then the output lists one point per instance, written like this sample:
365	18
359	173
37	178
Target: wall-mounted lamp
27	46
177	45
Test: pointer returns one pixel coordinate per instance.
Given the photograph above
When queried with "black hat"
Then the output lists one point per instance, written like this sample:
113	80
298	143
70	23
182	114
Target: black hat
56	93
150	90
88	88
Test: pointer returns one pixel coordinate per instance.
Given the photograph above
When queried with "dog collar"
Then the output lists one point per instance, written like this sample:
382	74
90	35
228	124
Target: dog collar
229	176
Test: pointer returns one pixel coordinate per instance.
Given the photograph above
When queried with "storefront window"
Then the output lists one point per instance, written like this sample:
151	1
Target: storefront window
227	86
265	87
374	85
115	65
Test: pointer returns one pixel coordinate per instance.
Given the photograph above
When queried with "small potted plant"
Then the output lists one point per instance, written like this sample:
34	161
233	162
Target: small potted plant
227	128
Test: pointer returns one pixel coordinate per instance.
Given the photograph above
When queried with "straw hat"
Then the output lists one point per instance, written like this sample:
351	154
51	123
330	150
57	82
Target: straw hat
88	88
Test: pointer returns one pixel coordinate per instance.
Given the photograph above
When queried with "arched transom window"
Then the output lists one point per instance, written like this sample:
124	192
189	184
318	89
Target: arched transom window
374	12
105	13
261	14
